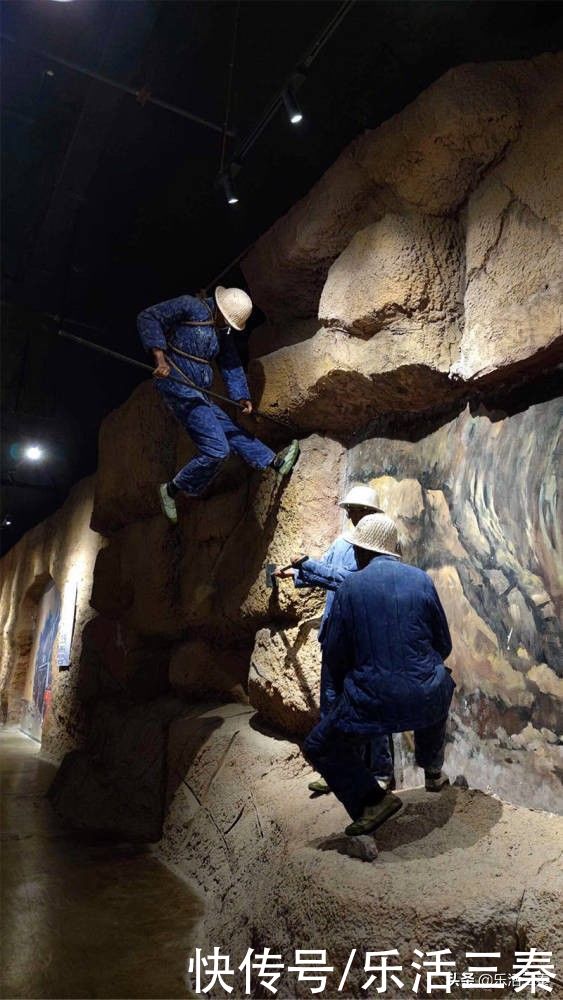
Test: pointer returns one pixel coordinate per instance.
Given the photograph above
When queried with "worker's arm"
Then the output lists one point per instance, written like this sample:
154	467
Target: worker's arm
232	371
441	639
337	647
328	572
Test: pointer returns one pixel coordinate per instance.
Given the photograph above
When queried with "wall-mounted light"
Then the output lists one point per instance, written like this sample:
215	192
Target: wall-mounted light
229	189
33	453
294	112
6	522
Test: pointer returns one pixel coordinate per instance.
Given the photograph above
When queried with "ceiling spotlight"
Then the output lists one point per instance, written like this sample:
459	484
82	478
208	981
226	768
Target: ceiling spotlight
33	453
6	522
229	189
294	112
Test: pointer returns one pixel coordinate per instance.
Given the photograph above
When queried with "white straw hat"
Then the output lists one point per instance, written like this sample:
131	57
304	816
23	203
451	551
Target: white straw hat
235	305
377	533
361	496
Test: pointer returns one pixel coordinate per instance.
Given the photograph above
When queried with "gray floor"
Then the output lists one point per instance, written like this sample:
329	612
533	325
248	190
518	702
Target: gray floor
82	919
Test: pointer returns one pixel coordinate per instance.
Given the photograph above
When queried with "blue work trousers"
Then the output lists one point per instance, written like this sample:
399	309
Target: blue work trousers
339	758
215	434
378	752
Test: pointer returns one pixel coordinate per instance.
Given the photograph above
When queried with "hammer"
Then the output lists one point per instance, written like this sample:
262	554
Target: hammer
271	568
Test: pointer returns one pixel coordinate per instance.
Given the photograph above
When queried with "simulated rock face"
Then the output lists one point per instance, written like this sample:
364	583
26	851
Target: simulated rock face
394	272
437	238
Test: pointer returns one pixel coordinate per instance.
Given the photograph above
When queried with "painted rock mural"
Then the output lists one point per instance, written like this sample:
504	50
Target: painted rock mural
477	504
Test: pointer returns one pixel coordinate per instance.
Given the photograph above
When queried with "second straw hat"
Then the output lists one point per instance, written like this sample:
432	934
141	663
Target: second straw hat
376	533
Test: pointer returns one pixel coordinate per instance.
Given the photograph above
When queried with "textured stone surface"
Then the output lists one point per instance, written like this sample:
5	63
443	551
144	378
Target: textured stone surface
425	159
137	449
394	272
457	870
116	783
341	383
284	678
438	236
199	670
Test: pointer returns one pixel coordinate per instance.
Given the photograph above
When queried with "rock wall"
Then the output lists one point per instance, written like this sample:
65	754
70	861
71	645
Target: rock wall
413	336
427	259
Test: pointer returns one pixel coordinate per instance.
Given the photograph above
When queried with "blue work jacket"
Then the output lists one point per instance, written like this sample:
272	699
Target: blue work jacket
387	638
327	572
186	324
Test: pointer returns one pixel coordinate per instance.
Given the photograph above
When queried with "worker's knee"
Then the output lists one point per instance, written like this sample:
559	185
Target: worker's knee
217	450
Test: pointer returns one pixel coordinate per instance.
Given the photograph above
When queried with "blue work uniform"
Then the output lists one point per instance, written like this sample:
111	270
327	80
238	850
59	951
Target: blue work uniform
328	572
387	638
185	329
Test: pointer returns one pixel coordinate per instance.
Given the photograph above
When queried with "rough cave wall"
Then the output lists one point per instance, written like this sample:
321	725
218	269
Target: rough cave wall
420	276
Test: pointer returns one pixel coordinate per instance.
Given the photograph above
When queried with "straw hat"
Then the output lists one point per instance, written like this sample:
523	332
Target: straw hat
361	496
377	533
235	305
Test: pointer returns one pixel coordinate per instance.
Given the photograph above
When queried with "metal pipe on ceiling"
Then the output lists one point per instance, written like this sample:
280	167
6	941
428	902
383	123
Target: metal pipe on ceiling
142	94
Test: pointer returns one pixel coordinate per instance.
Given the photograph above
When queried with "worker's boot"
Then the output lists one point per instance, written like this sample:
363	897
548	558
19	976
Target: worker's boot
320	787
434	781
386	781
167	503
286	459
374	815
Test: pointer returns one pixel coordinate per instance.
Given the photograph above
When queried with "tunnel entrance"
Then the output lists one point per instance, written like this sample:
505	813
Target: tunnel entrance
37	688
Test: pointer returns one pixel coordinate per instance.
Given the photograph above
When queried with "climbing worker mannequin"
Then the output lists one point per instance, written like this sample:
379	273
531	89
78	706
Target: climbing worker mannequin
328	573
387	637
185	335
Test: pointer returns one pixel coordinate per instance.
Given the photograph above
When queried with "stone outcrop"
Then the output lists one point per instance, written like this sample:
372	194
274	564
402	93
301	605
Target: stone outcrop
437	237
402	268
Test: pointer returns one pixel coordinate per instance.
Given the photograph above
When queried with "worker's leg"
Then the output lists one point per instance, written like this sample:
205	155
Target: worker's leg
201	423
429	746
250	448
328	695
338	757
379	756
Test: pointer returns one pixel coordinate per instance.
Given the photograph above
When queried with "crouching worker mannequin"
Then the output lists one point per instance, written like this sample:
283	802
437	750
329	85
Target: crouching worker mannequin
327	573
185	335
387	637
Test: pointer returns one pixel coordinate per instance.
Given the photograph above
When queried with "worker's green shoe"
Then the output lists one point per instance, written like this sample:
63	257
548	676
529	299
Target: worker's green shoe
320	787
374	816
286	459
167	503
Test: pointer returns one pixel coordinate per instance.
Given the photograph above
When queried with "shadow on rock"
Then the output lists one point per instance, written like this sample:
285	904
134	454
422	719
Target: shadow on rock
431	824
363	848
428	825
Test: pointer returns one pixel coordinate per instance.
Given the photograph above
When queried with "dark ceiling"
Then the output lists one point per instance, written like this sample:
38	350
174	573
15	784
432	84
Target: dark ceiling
110	204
